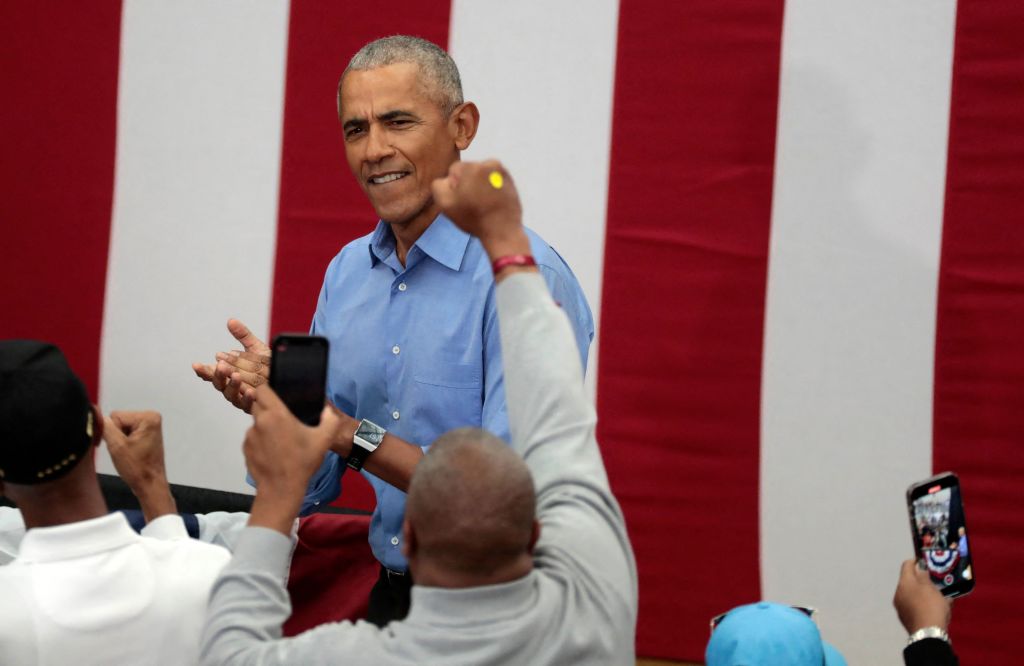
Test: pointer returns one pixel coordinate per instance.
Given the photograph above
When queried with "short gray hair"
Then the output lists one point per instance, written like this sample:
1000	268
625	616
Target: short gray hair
472	503
437	69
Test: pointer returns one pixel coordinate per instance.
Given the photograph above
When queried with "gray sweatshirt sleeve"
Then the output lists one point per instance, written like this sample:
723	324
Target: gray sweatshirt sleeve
249	604
249	601
552	422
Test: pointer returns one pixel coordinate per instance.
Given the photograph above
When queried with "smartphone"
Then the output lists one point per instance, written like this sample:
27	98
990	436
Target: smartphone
298	374
940	533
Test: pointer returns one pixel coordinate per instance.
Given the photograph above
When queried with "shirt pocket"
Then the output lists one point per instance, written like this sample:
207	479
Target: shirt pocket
451	371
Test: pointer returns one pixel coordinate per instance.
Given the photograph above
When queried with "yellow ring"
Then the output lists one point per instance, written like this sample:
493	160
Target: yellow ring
496	179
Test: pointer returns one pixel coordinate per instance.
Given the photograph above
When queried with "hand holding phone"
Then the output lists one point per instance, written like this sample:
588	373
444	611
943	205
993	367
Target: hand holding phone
299	374
939	531
918	602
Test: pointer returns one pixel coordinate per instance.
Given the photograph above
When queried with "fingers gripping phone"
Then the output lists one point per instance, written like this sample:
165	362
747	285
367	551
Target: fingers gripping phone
298	374
940	533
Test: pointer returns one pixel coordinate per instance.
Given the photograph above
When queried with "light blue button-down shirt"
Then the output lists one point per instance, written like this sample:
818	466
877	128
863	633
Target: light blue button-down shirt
416	350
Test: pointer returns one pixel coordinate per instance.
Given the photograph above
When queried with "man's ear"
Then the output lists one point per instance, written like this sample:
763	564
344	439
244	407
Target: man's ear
97	425
408	539
534	536
463	122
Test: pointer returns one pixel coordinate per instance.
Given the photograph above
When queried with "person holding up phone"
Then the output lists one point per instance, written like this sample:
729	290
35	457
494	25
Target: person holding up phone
925	613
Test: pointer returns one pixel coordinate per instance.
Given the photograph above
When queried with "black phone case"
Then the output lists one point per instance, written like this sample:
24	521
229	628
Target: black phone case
298	374
942	557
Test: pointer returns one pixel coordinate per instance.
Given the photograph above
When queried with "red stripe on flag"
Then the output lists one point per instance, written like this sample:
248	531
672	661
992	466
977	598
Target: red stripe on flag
59	78
321	205
693	139
979	364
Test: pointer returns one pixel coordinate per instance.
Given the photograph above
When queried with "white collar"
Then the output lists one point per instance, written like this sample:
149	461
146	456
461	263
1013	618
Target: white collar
78	539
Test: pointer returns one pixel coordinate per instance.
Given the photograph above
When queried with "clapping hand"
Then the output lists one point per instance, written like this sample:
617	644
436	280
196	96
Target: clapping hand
236	374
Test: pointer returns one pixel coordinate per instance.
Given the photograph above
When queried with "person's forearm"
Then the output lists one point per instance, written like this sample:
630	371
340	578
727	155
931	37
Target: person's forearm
155	499
507	243
394	460
543	375
552	421
248	603
275	510
547	403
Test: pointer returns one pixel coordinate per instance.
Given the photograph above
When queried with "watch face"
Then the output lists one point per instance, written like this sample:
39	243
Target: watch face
370	433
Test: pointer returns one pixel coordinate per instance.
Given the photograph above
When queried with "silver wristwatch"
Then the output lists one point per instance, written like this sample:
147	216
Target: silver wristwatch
928	632
368	437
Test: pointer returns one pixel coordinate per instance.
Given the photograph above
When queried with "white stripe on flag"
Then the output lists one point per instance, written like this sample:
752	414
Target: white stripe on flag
195	216
542	74
850	324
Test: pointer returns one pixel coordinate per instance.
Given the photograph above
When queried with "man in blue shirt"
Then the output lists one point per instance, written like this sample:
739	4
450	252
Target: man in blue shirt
409	309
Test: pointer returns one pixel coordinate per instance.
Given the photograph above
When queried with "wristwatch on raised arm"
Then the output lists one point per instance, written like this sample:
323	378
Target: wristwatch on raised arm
368	437
928	632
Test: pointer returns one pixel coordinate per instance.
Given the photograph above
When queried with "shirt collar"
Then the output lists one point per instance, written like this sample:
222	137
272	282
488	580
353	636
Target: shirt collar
442	241
485	603
78	539
382	243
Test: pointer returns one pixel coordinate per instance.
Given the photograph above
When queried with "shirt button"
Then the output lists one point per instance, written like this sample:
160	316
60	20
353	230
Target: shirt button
394	541
395	415
402	286
395	349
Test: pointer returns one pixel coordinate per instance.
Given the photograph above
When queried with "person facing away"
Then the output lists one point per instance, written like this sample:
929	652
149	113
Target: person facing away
519	555
409	310
768	634
84	587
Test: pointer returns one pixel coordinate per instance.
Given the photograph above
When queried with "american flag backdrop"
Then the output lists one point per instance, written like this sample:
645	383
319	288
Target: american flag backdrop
800	224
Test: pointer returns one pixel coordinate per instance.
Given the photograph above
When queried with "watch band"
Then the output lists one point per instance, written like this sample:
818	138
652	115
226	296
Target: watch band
928	632
367	438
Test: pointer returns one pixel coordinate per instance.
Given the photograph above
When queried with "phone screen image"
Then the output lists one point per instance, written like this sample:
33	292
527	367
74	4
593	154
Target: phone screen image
298	374
940	534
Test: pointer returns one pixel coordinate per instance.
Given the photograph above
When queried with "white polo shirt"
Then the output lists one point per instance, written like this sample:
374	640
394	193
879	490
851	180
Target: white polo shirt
95	592
12	531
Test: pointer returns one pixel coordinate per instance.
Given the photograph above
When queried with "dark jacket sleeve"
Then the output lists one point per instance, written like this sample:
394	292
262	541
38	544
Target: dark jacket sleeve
930	652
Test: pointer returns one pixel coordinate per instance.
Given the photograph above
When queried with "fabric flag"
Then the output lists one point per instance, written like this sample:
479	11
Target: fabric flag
798	223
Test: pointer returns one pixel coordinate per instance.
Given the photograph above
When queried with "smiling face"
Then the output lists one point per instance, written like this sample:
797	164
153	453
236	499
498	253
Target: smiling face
397	140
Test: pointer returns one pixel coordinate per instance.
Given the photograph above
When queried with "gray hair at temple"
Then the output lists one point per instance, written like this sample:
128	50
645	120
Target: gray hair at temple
437	69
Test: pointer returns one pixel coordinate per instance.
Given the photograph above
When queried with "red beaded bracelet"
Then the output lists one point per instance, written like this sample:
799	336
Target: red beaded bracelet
512	260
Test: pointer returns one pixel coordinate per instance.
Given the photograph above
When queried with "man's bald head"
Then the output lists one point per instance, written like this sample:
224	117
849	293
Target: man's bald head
471	505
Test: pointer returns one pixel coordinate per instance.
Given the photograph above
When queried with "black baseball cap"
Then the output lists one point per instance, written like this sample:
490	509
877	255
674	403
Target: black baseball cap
45	415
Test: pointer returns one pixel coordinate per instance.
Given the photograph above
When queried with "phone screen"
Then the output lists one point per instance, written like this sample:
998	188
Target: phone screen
940	533
298	374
